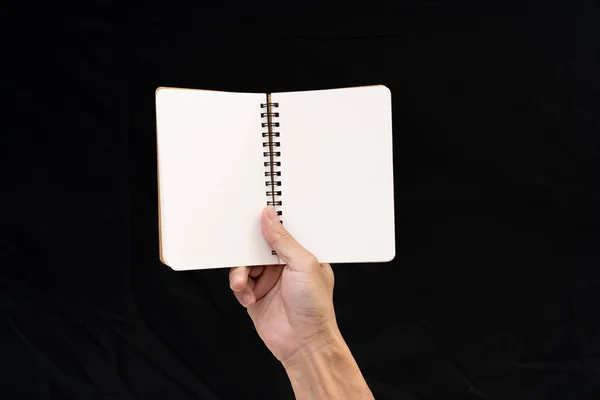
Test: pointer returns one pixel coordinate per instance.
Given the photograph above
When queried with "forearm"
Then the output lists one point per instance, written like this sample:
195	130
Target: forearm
327	370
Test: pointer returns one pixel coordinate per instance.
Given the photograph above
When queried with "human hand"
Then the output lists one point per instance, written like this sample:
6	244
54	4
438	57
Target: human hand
291	305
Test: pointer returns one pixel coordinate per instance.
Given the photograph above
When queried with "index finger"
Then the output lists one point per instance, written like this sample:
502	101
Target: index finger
238	277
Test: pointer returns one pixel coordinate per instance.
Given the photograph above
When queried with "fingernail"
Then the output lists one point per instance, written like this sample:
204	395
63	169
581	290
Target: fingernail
272	214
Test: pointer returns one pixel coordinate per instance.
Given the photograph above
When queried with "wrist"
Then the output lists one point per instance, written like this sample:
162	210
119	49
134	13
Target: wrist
325	344
326	369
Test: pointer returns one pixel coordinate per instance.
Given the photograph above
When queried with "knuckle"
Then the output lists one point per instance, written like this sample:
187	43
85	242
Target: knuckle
276	240
284	234
281	237
312	260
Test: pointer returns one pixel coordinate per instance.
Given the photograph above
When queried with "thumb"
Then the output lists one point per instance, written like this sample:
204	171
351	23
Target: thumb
281	241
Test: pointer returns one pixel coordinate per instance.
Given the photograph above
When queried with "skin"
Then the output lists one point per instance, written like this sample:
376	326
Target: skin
291	306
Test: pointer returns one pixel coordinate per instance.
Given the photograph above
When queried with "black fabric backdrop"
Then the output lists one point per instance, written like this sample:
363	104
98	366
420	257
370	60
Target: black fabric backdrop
494	289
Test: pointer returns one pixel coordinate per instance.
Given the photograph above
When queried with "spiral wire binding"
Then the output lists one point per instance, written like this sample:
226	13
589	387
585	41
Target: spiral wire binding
272	163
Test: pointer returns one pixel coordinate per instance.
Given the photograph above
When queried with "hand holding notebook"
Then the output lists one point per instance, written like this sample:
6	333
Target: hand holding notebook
291	307
322	158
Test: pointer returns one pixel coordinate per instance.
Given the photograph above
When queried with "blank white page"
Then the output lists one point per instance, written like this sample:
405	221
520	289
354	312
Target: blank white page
211	179
337	172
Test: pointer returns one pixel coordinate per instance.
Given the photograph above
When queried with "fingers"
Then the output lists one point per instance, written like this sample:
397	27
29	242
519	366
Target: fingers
243	286
256	271
246	296
268	279
238	277
250	284
282	242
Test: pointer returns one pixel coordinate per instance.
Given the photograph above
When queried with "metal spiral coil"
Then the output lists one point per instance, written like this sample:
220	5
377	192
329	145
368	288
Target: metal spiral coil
271	154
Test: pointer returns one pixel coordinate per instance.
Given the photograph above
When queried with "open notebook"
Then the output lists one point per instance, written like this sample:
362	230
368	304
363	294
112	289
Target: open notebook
323	158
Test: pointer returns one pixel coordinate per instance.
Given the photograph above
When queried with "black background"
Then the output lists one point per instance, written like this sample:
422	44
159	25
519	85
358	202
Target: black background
494	290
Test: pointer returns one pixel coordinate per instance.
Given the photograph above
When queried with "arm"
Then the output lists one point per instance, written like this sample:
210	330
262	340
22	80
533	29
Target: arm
291	306
326	370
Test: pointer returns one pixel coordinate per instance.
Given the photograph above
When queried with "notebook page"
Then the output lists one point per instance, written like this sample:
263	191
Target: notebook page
211	179
337	174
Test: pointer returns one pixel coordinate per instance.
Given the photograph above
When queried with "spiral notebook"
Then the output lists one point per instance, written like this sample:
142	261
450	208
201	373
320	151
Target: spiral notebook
323	158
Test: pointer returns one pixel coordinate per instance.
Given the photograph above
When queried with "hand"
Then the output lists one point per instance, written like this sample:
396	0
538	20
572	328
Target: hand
291	305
